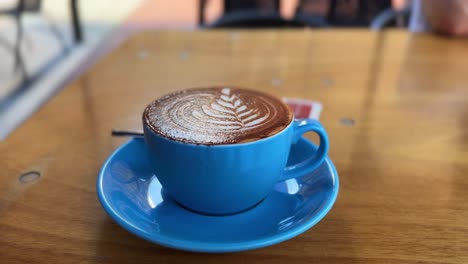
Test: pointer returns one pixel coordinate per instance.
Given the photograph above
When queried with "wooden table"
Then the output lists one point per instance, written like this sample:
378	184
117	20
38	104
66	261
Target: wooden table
396	110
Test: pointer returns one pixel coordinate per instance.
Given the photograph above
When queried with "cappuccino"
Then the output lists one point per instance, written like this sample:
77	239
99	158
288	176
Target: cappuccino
217	116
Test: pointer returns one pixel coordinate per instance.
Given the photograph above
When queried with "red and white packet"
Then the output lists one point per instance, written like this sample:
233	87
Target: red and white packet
303	108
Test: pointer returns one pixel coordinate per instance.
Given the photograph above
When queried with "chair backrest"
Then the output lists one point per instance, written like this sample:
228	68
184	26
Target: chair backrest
341	13
241	5
352	13
31	5
249	19
22	6
249	14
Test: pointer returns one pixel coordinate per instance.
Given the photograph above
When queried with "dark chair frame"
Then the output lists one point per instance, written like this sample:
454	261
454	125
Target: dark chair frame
16	12
250	17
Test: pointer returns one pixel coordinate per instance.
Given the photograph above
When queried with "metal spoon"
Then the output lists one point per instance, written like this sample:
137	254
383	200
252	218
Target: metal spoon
126	133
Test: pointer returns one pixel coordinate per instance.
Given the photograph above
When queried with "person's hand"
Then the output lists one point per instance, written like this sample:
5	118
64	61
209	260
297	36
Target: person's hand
447	16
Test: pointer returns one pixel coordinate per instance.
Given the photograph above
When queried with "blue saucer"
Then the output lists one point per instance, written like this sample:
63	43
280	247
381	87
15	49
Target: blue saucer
133	197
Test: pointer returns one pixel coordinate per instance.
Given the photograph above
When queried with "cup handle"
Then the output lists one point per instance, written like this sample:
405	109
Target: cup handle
307	166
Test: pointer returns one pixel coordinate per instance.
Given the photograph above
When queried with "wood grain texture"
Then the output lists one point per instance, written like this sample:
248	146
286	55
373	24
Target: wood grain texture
403	164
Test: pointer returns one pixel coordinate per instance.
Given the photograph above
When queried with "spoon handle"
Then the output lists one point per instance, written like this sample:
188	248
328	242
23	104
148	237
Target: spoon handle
126	133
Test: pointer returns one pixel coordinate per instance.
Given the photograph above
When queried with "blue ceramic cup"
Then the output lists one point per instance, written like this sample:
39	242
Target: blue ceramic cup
227	179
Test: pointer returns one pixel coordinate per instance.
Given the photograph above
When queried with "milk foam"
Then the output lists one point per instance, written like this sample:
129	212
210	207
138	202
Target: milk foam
219	115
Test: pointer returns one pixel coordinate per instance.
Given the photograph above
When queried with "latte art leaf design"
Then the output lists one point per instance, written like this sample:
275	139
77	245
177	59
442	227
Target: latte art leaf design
218	115
229	112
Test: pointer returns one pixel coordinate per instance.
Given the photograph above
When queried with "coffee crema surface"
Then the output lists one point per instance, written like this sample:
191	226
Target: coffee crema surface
217	115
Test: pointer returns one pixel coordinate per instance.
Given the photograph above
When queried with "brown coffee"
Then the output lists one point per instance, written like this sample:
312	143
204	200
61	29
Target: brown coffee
217	115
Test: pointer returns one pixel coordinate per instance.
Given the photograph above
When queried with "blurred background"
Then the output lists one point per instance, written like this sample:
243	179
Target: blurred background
45	43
